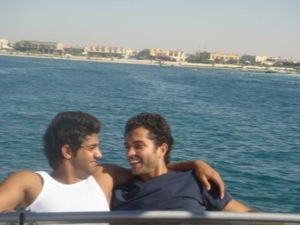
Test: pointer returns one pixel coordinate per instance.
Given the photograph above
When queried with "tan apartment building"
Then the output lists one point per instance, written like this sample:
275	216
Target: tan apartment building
40	47
265	60
108	51
4	44
178	56
260	59
223	57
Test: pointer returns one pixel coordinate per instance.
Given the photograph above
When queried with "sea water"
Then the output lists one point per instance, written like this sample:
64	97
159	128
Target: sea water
246	125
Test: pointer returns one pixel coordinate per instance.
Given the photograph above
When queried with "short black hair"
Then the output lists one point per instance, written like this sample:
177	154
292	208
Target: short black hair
159	129
68	128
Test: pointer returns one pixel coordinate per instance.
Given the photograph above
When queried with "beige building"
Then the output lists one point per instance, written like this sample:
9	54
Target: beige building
265	60
108	51
40	46
260	59
223	57
178	56
4	44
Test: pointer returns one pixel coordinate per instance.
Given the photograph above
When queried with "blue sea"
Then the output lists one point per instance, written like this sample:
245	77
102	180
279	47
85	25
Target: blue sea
244	124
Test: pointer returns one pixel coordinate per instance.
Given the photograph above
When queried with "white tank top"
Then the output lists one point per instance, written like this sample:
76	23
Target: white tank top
84	196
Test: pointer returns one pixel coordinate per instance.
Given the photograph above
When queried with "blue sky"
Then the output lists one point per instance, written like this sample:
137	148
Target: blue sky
258	27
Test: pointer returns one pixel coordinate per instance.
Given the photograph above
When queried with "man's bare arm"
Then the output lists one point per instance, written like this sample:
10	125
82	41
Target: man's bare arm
14	190
110	175
236	206
204	172
117	175
120	175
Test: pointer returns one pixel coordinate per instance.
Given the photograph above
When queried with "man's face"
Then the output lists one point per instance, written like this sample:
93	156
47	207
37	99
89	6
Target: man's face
142	155
85	160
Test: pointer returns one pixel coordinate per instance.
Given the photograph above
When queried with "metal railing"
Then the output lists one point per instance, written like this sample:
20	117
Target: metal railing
148	217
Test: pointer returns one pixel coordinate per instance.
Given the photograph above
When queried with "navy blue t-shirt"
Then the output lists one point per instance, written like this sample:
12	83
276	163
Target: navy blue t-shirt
171	191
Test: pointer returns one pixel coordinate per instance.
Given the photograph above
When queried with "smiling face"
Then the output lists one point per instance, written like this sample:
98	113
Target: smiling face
84	162
145	159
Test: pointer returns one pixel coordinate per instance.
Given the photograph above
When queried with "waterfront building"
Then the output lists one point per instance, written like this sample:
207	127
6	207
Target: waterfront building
173	55
260	59
4	44
40	47
73	51
268	61
108	51
161	55
248	59
218	57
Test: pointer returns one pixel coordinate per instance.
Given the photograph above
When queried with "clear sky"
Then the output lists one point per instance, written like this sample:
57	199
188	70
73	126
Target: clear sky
258	27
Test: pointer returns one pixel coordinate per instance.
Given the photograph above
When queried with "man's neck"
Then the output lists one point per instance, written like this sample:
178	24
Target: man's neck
155	173
67	176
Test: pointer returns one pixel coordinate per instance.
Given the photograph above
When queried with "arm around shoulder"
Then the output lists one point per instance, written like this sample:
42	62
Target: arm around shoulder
118	174
204	172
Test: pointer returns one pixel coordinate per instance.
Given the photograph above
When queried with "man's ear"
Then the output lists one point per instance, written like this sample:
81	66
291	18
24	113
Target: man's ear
164	149
66	151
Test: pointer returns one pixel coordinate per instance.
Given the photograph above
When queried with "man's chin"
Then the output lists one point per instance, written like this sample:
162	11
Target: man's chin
135	171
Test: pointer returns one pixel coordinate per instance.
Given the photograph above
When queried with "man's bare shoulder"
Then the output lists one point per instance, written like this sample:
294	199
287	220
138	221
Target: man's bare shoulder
20	187
104	171
112	170
104	177
109	168
117	174
22	179
111	173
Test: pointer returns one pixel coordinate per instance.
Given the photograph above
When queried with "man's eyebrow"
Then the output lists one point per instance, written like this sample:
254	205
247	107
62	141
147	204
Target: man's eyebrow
134	142
138	142
92	145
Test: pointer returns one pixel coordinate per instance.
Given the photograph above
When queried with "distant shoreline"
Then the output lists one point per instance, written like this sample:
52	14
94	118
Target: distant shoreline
259	69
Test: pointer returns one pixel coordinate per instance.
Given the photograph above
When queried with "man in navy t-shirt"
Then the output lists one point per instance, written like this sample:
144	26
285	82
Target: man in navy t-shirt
148	142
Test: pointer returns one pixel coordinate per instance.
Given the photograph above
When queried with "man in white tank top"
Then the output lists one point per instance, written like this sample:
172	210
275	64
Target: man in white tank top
77	183
59	196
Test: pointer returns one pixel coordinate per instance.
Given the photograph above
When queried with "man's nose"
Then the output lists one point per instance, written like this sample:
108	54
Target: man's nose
130	152
98	153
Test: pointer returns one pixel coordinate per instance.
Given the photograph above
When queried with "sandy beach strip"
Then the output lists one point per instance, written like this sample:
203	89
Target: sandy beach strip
155	63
